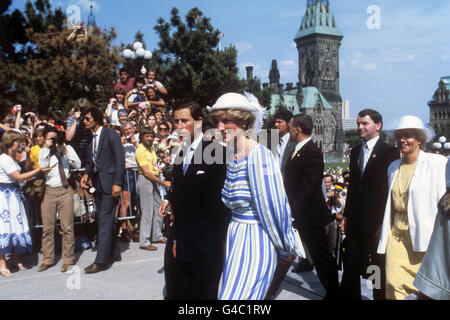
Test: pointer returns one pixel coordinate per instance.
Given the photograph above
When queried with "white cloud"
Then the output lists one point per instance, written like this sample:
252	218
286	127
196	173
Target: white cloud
243	46
85	5
287	63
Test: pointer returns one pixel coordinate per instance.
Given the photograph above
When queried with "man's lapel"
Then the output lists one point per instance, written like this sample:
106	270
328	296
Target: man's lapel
100	142
373	157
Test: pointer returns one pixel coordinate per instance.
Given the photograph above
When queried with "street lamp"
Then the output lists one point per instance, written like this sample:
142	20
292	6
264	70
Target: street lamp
139	52
442	146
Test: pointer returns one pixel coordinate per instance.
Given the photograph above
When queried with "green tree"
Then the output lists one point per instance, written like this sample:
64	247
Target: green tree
16	46
352	137
63	70
189	61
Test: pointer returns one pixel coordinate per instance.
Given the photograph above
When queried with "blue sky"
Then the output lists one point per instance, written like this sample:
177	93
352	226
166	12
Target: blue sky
395	69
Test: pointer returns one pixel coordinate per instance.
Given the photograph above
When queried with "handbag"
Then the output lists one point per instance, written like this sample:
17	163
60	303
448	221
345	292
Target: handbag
299	250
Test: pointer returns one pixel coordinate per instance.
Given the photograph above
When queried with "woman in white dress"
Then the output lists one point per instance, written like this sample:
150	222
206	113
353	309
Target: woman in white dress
14	230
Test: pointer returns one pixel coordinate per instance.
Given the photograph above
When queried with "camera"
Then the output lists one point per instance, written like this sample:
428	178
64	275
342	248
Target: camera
129	139
21	148
58	140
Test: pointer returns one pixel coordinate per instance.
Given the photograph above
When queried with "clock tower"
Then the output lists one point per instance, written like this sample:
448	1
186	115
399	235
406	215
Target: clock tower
318	41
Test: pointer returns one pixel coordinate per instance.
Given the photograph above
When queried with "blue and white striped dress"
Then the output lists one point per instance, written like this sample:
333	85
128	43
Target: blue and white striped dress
260	228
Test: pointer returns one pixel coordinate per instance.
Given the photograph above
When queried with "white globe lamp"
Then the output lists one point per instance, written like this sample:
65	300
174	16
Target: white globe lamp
148	55
140	52
437	145
127	53
442	139
137	45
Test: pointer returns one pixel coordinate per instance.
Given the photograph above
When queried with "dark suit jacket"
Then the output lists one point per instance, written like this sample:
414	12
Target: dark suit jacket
110	161
201	218
290	147
303	183
366	198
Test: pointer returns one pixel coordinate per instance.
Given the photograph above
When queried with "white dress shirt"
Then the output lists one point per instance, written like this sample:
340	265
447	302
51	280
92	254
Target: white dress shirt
96	136
190	153
300	145
68	160
367	148
282	147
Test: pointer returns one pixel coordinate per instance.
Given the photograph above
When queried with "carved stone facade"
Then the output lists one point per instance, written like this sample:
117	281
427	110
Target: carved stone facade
440	108
317	93
318	43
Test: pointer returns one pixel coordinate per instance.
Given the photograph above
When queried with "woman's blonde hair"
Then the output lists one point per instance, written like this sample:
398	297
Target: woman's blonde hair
243	119
8	139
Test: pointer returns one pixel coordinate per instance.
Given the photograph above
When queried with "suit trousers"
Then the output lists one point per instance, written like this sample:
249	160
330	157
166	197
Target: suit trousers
171	273
58	200
105	207
199	280
316	241
356	260
151	222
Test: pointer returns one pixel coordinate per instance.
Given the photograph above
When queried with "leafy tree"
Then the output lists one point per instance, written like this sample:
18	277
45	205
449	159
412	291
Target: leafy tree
189	61
62	71
352	138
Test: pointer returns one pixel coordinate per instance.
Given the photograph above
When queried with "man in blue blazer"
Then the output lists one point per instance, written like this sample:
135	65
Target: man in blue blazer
105	167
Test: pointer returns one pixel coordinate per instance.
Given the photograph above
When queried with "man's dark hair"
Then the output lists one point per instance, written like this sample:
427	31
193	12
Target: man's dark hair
123	70
304	122
284	114
194	108
144	131
97	115
139	80
48	129
119	90
373	114
327	175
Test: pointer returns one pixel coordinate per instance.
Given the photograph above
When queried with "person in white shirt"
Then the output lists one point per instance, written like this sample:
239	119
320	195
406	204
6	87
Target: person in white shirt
15	235
115	104
57	198
150	81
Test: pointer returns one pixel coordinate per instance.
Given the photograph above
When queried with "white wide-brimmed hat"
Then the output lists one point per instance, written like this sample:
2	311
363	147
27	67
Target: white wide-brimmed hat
245	102
413	122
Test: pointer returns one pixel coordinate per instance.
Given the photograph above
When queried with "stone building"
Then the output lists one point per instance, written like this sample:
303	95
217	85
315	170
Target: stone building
317	91
440	109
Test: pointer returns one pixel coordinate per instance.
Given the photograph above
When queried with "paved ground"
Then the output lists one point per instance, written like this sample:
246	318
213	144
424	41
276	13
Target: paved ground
139	276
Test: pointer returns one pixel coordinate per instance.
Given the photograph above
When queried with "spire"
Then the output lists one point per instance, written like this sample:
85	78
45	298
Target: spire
318	19
91	17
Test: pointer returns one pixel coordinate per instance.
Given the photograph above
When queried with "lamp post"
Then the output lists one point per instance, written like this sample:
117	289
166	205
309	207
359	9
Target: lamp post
442	146
138	53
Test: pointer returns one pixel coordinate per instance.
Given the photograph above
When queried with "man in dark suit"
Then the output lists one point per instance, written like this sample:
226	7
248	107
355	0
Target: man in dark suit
105	167
310	212
201	219
365	204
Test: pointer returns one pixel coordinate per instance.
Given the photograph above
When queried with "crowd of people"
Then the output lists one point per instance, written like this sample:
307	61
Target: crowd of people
226	207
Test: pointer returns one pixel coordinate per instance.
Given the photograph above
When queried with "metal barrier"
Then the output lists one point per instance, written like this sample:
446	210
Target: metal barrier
84	204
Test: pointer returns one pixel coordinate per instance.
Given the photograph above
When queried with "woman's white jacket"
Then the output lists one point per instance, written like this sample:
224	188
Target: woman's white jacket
427	187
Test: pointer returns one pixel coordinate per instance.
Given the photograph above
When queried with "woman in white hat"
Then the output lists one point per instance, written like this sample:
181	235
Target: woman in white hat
260	230
416	184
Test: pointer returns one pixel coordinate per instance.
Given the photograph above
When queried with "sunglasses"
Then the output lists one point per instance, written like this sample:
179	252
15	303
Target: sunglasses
163	129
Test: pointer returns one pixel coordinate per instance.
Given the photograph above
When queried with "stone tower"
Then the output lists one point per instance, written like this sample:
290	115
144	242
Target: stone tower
274	75
318	41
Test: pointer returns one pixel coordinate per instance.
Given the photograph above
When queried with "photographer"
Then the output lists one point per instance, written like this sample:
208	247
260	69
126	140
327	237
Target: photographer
136	95
115	104
150	81
334	203
58	197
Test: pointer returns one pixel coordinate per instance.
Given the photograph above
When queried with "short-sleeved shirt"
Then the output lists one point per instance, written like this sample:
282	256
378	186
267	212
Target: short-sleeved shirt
34	155
7	166
146	157
126	87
